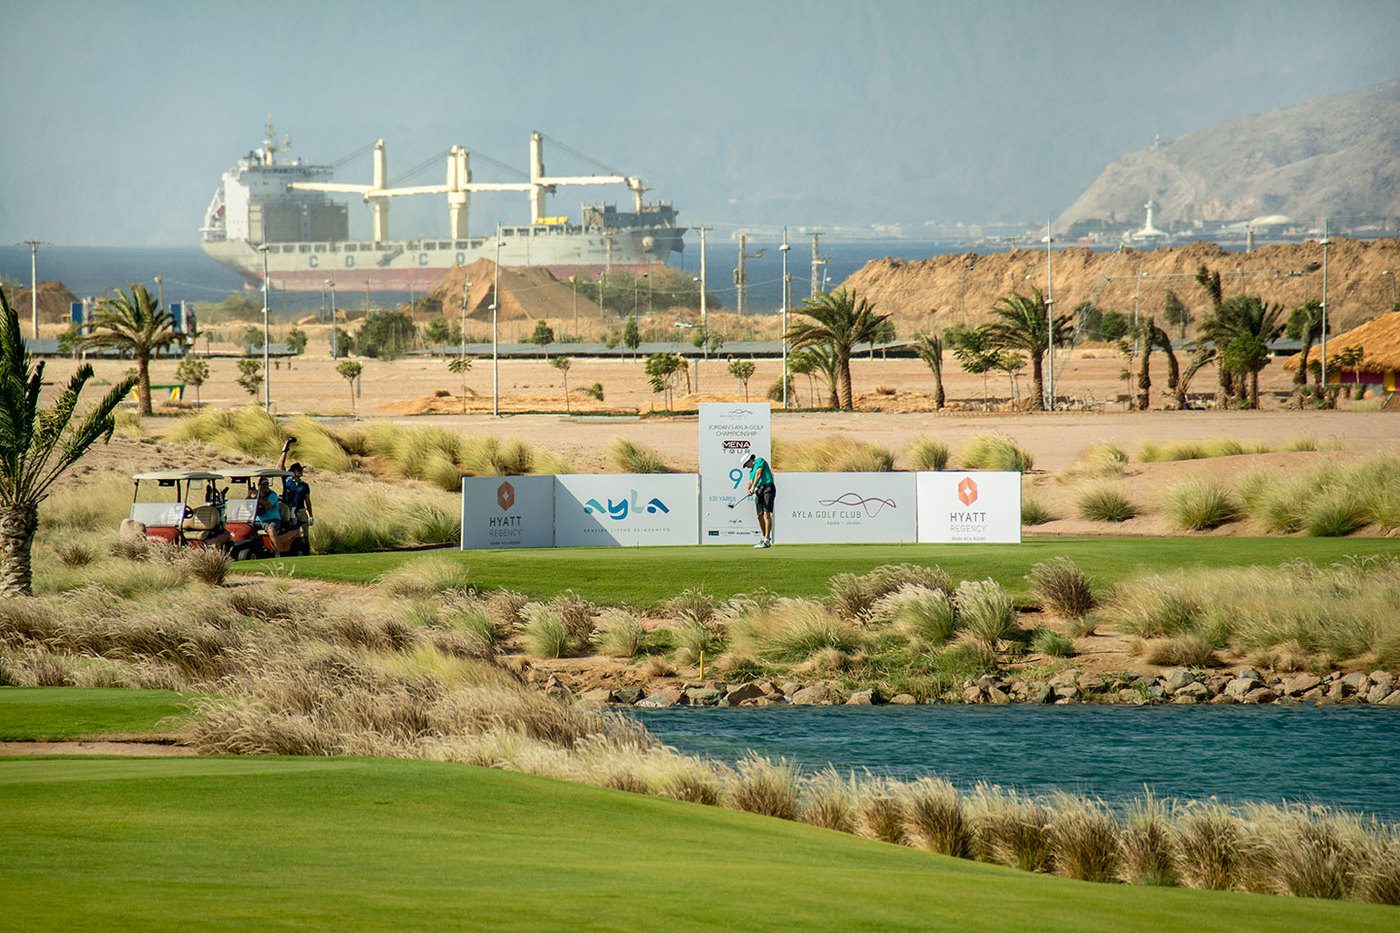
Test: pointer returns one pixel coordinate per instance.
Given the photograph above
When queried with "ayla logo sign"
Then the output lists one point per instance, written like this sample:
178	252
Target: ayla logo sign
619	510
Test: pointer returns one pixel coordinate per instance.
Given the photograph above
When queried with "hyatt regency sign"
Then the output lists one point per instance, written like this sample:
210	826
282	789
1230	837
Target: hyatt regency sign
507	511
969	507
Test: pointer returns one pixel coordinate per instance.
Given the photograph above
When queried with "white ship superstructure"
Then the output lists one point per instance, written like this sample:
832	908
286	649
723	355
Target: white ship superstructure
283	206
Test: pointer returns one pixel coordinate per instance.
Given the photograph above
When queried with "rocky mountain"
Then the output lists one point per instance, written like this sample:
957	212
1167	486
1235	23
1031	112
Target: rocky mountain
1336	156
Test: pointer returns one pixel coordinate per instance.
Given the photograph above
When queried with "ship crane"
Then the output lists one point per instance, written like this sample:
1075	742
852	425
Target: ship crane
458	186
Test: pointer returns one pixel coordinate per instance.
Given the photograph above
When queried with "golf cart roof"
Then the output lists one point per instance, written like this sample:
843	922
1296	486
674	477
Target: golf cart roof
252	473
173	475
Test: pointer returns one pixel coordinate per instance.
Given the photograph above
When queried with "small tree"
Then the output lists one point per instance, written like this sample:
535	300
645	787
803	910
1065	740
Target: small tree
1175	312
342	343
296	341
802	363
929	347
542	337
1112	326
460	365
350	371
661	369
387	335
38	445
1088	321
631	336
1245	356
251	338
562	363
193	372
742	370
975	355
1351	358
250	376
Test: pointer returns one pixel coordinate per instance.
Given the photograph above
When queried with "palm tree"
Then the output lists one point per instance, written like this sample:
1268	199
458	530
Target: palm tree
839	320
134	326
1305	324
824	361
1211	330
1022	326
37	446
929	347
1246	316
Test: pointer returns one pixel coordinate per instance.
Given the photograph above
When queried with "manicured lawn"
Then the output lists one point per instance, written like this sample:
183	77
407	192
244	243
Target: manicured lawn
52	713
645	576
366	844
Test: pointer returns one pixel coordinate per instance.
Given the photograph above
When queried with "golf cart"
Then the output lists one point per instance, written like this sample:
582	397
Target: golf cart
192	516
249	540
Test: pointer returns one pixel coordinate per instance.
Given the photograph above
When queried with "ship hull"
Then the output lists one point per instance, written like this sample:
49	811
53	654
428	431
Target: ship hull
417	265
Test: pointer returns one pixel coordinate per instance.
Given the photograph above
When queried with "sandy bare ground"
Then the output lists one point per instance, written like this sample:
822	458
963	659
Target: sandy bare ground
106	747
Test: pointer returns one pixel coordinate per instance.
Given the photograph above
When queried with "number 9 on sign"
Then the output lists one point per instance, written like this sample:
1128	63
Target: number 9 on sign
737	476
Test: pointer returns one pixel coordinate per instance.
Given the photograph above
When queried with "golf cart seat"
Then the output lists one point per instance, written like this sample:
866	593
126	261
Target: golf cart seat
202	522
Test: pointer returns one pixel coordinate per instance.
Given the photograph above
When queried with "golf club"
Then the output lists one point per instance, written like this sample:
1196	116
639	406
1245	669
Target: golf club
747	495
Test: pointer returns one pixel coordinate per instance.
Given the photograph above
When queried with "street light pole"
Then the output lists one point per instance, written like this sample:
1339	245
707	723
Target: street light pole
495	344
34	282
1049	319
786	281
462	333
267	380
335	327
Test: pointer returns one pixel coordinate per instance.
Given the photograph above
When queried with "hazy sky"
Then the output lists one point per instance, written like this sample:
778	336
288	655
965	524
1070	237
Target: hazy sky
120	116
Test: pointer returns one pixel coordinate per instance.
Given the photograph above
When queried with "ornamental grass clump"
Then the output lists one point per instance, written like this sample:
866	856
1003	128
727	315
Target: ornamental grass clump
837	454
1313	851
828	800
766	787
545	634
792	631
1103	459
1009	829
1052	644
1083	838
1034	512
693	640
425	576
985	612
1200	505
691	604
922	615
924	453
854	595
995	452
1062	588
1213	848
632	457
880	812
1146	844
937	821
1106	504
618	634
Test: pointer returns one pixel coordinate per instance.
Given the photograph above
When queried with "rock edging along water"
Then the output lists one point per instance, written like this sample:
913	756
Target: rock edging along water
1180	686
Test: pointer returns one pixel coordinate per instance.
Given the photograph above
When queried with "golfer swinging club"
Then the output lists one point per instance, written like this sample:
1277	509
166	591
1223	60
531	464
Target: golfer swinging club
763	490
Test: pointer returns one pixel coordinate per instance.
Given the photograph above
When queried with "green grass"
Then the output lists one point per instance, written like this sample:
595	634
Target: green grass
648	576
371	844
52	713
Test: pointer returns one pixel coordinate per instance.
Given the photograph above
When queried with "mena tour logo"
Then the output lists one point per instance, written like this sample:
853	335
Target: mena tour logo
967	491
619	510
505	496
873	505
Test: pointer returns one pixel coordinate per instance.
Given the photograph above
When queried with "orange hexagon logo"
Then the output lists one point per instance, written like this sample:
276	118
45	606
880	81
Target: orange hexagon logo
967	491
505	496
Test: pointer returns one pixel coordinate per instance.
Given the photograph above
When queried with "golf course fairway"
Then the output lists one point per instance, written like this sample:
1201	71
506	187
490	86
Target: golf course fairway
110	843
648	575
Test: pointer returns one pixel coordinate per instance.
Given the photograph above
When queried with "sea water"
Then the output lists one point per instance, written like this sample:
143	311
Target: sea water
1342	756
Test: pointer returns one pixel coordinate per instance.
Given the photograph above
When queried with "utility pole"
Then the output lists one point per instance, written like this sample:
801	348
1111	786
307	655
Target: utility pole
160	291
495	317
462	334
34	282
1326	241
741	274
1049	318
818	260
704	308
335	341
267	310
787	288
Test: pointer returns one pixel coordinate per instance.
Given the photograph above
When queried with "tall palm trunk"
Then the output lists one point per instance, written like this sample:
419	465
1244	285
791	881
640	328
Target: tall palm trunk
18	525
1300	378
1037	383
143	385
1144	373
843	360
939	400
1173	374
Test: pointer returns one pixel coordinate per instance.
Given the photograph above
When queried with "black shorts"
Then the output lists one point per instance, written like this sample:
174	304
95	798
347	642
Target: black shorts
763	497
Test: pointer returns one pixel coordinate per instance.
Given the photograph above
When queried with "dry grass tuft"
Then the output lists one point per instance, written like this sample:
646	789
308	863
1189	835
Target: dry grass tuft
1146	846
985	612
924	453
936	818
793	631
618	634
837	454
1083	839
766	787
828	801
1212	847
880	813
632	457
1105	504
1062	588
922	615
995	452
425	576
854	595
1200	504
1009	829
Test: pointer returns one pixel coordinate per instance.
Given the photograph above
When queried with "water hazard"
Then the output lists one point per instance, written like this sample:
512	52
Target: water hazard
1343	756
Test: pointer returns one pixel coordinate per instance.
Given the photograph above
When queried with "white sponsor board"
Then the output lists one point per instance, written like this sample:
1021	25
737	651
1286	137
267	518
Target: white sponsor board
969	507
507	511
844	508
729	432
626	509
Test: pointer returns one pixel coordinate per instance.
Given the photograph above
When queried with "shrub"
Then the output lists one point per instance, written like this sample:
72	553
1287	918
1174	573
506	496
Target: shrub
208	565
691	638
984	610
927	454
1333	513
1062	588
922	615
1083	839
1103	459
936	818
425	576
631	457
1033	512
880	813
828	801
765	787
1009	829
74	554
995	452
1200	504
1052	644
619	634
691	604
1180	651
838	454
1105	504
853	595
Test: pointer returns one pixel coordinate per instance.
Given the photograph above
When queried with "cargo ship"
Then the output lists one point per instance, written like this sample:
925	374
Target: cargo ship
278	214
